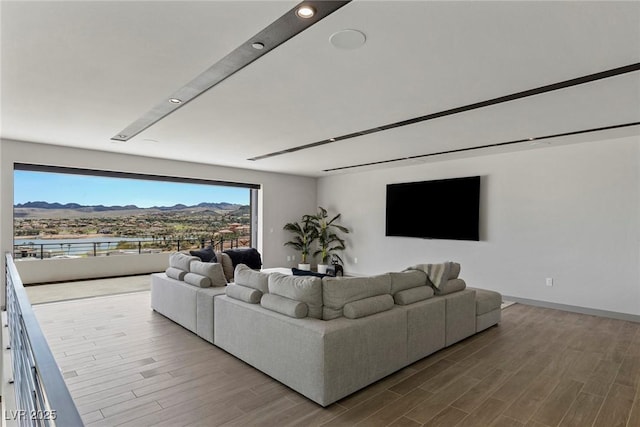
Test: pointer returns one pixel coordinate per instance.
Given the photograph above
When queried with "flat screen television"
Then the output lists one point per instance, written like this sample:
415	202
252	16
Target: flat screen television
440	209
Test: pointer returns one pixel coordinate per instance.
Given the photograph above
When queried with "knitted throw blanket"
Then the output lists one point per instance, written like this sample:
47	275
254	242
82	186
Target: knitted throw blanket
437	273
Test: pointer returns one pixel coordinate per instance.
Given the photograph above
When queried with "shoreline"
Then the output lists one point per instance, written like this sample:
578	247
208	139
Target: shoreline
64	236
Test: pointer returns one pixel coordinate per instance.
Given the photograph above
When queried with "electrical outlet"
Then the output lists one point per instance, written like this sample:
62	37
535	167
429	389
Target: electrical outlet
549	281
355	260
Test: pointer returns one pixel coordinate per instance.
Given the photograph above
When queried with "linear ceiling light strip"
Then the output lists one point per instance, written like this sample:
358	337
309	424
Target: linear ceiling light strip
287	26
531	92
481	147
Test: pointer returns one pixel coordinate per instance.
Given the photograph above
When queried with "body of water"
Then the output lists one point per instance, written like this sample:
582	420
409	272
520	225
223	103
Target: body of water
76	246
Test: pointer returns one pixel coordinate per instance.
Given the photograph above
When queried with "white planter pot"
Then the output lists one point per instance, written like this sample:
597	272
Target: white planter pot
304	266
322	268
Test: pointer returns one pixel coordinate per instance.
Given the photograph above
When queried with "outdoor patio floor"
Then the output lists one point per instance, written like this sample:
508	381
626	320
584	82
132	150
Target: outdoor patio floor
53	292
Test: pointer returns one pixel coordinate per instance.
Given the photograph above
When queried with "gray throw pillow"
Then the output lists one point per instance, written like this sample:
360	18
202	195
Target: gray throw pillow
251	278
197	280
338	291
451	286
212	270
454	270
409	296
227	265
175	273
307	289
242	293
181	261
368	306
286	306
407	279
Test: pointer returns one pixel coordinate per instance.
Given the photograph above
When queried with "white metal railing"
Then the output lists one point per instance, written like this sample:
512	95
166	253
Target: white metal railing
41	395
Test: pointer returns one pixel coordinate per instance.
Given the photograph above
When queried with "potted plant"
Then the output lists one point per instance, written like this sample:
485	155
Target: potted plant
304	236
329	241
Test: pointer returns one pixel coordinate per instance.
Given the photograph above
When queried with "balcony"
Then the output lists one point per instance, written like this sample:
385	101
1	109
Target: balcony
89	259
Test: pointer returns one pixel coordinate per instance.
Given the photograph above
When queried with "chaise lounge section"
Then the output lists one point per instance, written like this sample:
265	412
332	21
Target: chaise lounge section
189	305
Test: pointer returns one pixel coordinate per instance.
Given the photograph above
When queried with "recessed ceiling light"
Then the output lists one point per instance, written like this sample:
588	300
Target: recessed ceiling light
122	136
175	101
257	45
305	12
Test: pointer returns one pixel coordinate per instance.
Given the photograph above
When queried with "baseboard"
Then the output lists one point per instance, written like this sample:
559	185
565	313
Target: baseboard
575	309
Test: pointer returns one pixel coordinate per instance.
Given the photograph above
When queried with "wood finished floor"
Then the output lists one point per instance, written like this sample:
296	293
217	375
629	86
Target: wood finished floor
127	365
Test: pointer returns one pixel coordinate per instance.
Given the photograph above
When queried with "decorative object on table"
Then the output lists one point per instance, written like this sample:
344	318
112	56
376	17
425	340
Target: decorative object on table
335	269
329	240
305	233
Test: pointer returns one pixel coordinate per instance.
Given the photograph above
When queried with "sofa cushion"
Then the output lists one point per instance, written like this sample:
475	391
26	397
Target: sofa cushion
454	270
181	261
451	286
175	300
212	270
338	291
243	293
175	273
227	265
283	305
487	301
409	296
247	256
368	306
307	289
245	276
205	254
197	280
407	279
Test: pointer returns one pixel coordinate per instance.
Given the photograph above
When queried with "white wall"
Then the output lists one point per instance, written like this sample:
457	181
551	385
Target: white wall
571	213
33	270
283	198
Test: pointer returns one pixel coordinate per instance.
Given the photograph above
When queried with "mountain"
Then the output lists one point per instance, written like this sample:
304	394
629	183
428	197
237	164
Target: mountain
41	209
101	208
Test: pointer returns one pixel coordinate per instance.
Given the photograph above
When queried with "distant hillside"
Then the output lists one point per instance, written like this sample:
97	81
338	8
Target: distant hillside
101	208
43	209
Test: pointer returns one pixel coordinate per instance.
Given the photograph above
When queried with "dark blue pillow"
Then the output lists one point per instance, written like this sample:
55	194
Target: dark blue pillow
206	254
247	256
298	272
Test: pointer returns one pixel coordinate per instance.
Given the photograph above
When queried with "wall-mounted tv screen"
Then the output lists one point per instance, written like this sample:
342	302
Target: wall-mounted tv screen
440	209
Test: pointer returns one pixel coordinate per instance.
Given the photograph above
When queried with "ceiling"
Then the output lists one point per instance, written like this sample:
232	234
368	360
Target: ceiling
75	73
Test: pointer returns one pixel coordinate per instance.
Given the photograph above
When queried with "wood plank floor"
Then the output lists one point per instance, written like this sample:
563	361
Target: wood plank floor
127	365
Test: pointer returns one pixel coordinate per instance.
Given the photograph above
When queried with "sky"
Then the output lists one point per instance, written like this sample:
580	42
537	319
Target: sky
93	190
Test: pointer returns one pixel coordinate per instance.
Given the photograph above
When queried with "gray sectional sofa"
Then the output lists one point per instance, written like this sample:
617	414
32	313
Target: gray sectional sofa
328	337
